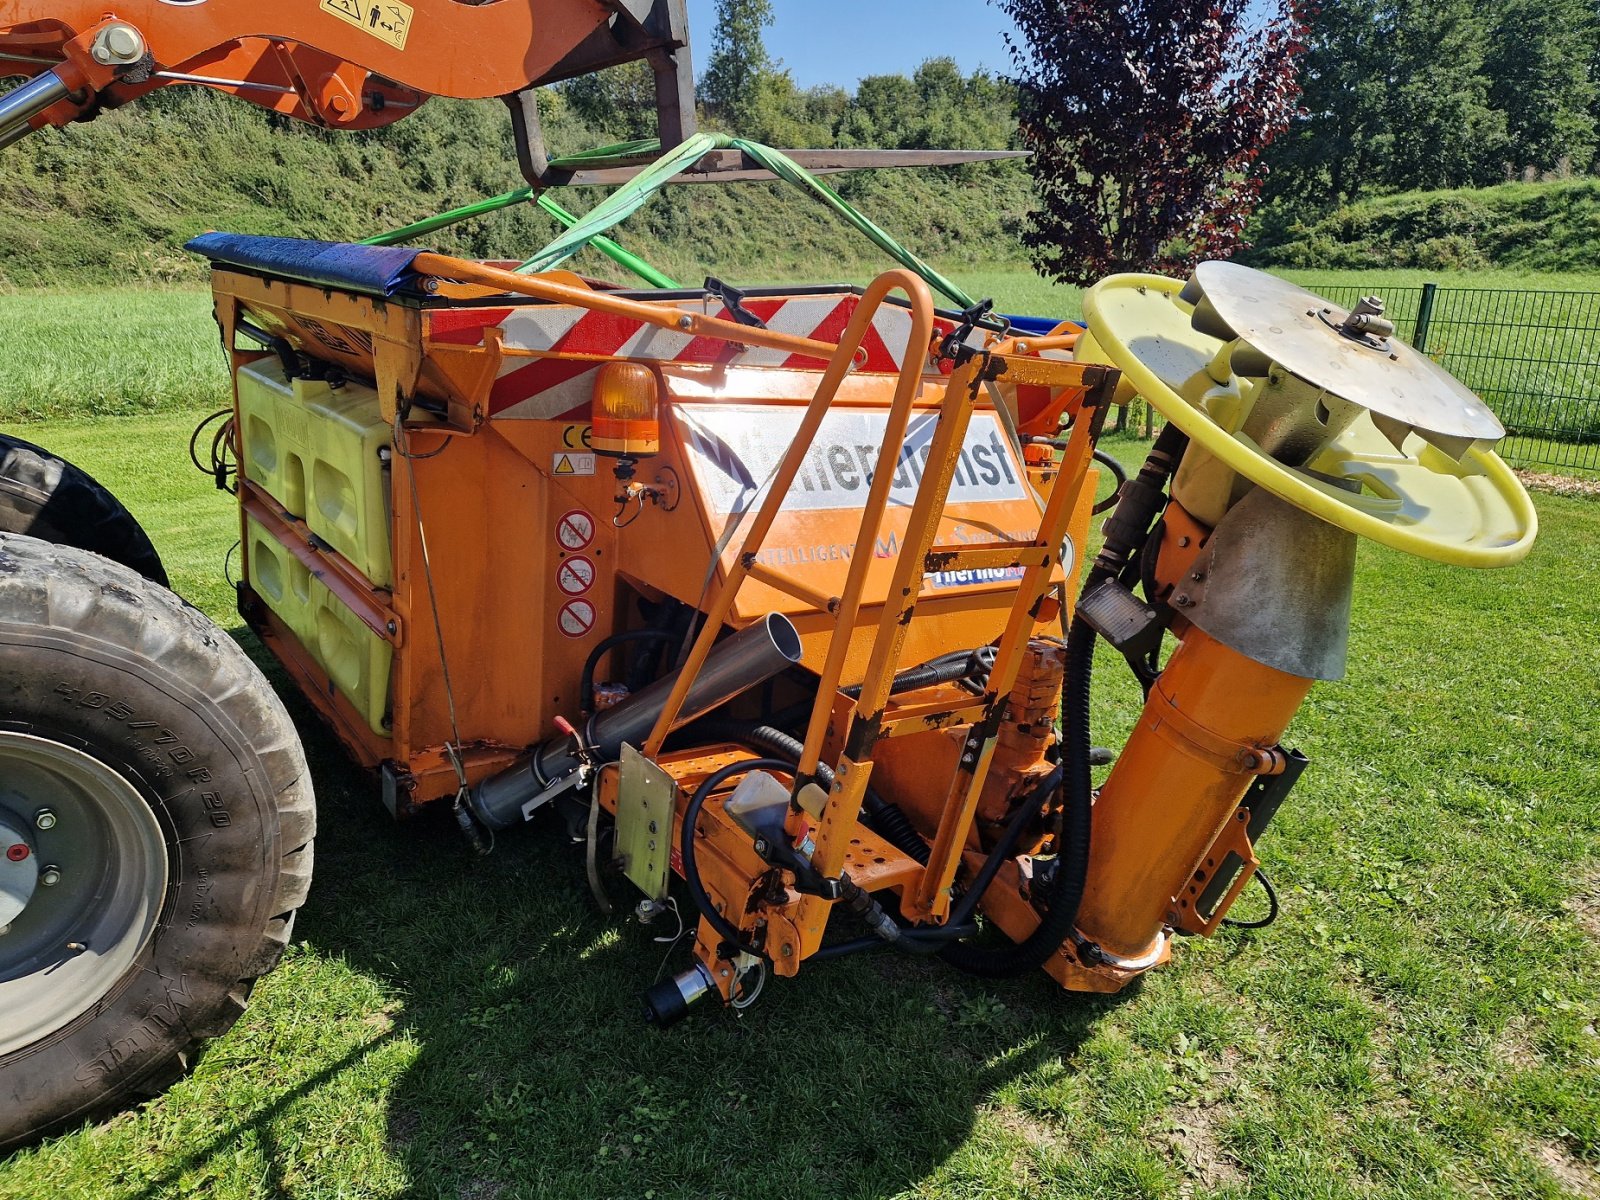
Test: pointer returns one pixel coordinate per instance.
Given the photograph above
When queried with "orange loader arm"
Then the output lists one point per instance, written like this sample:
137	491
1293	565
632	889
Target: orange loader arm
349	64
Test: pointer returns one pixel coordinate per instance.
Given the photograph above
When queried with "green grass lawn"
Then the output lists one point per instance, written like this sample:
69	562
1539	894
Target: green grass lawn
1420	1023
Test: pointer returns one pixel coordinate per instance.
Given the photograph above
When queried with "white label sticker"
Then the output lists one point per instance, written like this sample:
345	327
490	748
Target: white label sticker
576	618
735	449
566	462
575	529
575	575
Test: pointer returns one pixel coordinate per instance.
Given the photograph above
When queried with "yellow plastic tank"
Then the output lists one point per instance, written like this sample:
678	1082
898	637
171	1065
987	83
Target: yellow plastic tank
357	660
322	453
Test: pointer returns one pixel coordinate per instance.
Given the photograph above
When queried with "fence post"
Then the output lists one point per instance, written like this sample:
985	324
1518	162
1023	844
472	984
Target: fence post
1419	336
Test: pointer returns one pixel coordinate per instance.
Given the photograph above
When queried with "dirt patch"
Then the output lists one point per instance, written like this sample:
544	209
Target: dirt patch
1575	1175
1561	485
1029	1128
1515	1046
1197	1146
1586	906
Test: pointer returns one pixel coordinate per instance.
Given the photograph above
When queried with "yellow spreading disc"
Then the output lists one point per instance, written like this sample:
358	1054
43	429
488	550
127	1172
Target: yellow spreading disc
1472	512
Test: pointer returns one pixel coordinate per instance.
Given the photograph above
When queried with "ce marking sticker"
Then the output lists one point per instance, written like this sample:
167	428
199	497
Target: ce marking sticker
576	437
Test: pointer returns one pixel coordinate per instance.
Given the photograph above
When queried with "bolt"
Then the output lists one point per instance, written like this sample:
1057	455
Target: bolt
653	827
44	819
761	846
786	950
117	45
18	852
685	323
1183	541
1197	575
393	628
1182	600
77	947
50	876
1022	347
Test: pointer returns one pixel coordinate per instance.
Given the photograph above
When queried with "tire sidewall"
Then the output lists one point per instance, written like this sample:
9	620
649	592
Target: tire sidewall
195	768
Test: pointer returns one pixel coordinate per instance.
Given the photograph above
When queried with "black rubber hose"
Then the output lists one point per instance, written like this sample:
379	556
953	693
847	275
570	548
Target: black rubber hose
955	667
1004	845
1066	892
729	932
604	647
1118	472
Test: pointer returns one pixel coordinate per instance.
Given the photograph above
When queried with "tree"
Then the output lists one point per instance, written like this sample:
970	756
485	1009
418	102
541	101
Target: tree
740	72
1538	67
1445	131
1339	141
1146	120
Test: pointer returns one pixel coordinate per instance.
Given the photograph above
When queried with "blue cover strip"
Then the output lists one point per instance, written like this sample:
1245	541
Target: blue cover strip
381	270
1034	326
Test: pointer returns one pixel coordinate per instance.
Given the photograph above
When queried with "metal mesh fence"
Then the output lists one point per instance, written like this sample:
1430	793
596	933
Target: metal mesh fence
1534	356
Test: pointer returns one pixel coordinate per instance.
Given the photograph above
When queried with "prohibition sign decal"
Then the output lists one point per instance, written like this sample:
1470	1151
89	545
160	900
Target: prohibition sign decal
575	575
576	618
575	529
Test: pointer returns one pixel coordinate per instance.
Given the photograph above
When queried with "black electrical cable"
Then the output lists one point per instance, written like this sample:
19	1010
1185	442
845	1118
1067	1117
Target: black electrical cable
1272	906
691	873
604	647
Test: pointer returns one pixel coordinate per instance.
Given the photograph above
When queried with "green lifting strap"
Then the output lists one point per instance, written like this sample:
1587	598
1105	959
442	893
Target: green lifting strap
524	195
631	196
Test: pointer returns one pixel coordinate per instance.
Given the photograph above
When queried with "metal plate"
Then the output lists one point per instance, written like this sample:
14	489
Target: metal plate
1291	326
645	795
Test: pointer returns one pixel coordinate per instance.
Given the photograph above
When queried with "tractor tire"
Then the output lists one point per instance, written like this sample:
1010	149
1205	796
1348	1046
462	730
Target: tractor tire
156	823
47	497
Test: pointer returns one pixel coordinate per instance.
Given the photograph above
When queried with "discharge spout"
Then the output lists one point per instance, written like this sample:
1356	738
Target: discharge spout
735	665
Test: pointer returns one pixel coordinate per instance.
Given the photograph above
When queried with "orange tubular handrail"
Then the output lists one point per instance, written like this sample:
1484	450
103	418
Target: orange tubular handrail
840	359
444	267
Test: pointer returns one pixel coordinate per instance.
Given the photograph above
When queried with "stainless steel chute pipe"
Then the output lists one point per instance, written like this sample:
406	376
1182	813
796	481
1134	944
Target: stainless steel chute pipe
735	665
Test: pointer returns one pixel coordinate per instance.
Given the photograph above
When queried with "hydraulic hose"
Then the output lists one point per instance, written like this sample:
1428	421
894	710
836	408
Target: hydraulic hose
1066	891
730	932
1139	502
605	646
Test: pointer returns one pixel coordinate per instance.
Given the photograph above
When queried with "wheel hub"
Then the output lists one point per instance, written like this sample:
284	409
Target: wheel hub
83	873
19	870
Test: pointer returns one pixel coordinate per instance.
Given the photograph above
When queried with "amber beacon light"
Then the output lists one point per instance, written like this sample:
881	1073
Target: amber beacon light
625	419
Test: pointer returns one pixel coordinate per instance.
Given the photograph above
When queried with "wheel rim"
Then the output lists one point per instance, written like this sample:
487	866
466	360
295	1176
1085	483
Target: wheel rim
76	935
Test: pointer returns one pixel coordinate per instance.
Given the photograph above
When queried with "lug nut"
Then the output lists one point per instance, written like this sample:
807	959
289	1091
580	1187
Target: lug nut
50	876
44	819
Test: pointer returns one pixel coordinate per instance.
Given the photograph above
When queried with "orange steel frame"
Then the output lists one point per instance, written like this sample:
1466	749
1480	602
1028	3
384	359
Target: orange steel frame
301	58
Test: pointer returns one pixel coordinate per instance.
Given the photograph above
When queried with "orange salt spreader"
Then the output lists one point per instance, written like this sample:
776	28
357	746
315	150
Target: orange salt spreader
765	591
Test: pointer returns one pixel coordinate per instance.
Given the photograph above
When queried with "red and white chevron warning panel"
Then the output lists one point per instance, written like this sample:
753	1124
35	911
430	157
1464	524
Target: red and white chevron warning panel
547	388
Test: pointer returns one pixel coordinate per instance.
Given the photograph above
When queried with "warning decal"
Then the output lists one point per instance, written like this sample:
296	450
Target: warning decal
568	463
575	575
387	20
576	618
575	529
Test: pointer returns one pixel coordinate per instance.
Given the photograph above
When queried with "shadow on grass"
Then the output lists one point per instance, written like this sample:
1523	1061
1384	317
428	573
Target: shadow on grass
537	1076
